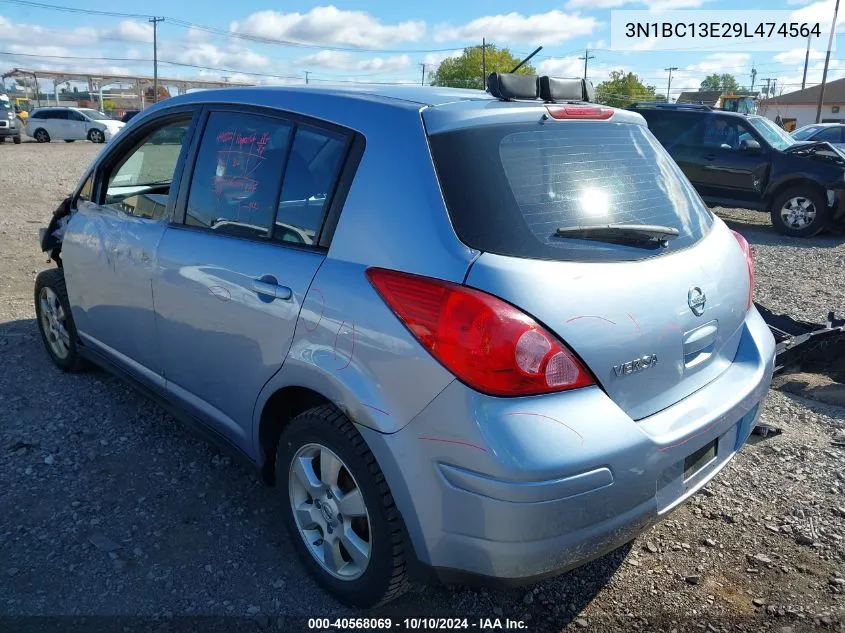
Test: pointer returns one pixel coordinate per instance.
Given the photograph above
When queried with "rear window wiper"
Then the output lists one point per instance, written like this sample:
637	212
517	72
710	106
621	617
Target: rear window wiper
646	235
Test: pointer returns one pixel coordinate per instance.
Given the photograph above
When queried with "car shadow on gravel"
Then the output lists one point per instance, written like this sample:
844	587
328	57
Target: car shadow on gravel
761	235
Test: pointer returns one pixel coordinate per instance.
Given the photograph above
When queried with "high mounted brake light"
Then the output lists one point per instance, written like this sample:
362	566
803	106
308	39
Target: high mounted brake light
488	344
579	112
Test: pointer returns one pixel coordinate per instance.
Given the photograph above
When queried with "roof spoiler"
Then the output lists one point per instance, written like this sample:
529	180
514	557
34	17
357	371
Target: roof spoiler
510	86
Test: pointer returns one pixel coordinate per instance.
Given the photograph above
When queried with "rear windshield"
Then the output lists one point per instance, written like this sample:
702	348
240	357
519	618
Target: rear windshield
509	187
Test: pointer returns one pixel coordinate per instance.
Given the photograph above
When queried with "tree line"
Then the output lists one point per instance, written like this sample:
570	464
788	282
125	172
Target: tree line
620	89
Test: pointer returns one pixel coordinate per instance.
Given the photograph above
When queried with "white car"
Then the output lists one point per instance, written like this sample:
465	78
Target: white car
71	124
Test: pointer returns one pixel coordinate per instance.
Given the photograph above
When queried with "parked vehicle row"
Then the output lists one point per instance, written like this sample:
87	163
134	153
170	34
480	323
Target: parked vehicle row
471	335
736	160
60	123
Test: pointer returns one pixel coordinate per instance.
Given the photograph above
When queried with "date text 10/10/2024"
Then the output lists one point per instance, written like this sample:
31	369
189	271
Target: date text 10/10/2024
424	624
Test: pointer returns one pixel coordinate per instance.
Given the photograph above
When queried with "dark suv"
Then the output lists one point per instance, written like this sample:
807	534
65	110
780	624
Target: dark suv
737	160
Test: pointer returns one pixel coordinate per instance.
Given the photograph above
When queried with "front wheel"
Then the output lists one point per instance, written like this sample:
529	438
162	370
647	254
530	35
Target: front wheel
41	135
96	136
800	212
338	509
55	322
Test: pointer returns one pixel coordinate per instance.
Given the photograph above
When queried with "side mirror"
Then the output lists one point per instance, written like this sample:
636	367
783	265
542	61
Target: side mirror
749	145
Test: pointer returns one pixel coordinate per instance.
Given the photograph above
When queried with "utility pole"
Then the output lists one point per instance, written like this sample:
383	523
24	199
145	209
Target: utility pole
422	79
768	81
587	57
483	62
806	61
307	72
669	85
155	22
753	78
826	63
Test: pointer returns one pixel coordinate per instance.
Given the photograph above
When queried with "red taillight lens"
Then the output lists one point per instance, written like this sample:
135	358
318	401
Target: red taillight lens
579	112
485	342
746	250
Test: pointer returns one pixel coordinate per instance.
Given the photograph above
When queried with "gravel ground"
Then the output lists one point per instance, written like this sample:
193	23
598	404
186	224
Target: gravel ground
109	507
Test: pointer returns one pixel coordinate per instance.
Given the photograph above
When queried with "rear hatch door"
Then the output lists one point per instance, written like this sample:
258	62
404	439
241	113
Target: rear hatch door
653	322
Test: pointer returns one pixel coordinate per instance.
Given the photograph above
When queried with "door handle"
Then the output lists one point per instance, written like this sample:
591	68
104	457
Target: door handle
270	289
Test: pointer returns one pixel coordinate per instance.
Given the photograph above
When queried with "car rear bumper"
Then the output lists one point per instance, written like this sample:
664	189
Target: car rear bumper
520	488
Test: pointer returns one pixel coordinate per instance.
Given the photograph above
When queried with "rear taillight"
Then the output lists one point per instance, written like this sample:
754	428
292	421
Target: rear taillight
749	260
579	112
487	343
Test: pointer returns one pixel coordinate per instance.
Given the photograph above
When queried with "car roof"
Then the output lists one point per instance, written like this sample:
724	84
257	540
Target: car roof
418	95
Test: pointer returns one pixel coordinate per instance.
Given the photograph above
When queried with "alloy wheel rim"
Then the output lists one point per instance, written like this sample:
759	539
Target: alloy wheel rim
96	136
798	212
54	323
41	136
329	511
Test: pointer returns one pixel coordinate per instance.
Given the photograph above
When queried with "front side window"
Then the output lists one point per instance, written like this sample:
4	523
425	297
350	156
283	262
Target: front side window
87	189
238	172
139	184
805	132
725	133
310	175
73	115
774	135
95	115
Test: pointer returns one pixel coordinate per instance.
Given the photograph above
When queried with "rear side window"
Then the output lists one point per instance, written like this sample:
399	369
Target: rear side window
509	188
238	174
829	135
312	170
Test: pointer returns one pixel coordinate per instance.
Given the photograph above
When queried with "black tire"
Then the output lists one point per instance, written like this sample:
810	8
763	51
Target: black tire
17	140
41	135
815	197
96	136
385	576
70	140
2	139
54	279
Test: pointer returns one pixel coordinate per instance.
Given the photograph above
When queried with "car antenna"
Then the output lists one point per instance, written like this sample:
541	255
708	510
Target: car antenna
524	61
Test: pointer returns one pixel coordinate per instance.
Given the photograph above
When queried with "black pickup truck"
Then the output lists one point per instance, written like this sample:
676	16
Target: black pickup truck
739	160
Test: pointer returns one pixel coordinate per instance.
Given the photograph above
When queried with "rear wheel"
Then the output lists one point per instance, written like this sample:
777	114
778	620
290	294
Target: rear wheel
338	509
96	136
55	322
800	212
41	135
17	140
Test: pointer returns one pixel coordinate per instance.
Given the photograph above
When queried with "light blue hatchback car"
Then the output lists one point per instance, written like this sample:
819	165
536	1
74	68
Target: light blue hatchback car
489	337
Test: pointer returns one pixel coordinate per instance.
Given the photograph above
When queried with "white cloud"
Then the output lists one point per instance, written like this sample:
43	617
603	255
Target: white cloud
329	25
654	5
433	60
130	30
206	54
796	56
549	28
821	12
722	63
30	33
340	60
561	67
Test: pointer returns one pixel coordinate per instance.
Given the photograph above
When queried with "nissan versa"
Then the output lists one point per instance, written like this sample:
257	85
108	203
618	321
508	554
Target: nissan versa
485	336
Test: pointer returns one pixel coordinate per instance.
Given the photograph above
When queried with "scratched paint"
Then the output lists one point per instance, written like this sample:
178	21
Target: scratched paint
546	417
349	334
634	321
382	411
448	441
322	299
219	292
590	316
